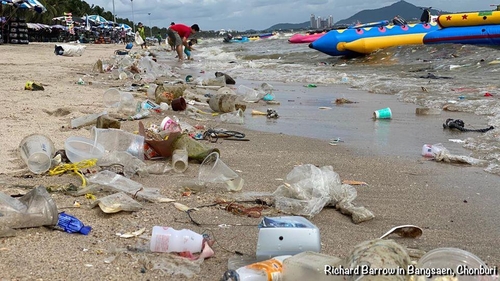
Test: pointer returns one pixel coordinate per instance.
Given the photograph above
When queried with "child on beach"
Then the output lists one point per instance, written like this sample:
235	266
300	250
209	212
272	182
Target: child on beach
188	51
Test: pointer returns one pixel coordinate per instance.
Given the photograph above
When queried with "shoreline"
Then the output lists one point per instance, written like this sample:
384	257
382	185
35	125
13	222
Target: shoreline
455	205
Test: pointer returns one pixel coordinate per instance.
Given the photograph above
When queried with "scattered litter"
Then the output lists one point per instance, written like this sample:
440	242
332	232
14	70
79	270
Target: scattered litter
456	140
324	107
271	113
117	202
131	234
343	101
256	112
459	125
33	86
308	189
352	182
310	86
184	208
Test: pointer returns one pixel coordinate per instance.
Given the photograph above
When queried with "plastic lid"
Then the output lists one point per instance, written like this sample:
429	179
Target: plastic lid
85	230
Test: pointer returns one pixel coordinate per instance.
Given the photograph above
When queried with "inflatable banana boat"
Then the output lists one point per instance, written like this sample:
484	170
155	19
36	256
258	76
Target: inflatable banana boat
349	42
469	19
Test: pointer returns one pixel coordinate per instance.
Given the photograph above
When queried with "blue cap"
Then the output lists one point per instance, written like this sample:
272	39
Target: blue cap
85	230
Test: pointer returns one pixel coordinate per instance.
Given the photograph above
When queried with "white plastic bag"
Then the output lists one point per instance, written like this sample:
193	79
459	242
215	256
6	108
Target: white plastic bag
308	189
70	50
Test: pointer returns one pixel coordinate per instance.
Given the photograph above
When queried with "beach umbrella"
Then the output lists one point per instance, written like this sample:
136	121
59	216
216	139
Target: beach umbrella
96	19
124	26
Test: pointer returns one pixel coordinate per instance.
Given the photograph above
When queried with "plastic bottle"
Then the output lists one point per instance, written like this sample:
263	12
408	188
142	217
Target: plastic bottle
141	115
268	270
71	224
167	239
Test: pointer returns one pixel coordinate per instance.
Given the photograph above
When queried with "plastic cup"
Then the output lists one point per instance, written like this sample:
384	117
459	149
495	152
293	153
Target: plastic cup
179	104
180	160
384	113
124	101
37	151
213	170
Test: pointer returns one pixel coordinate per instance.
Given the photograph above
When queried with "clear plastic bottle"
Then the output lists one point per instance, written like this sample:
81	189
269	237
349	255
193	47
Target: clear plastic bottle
167	239
261	271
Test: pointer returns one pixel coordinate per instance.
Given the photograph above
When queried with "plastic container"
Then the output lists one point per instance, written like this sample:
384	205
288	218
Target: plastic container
167	239
119	140
268	270
79	149
310	266
180	160
37	151
288	235
71	224
429	150
453	258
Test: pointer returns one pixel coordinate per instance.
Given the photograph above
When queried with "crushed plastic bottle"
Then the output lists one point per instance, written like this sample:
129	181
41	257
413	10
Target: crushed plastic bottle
268	270
71	224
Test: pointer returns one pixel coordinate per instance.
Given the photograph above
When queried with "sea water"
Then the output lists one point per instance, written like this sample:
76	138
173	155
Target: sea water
453	76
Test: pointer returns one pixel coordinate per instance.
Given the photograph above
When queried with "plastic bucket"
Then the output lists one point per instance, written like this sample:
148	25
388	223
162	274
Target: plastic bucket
223	102
37	152
384	113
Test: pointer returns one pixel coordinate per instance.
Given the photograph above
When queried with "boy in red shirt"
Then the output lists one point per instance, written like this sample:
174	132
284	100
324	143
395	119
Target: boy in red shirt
178	34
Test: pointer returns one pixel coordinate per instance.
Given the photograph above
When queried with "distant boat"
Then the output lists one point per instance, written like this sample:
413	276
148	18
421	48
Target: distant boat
242	39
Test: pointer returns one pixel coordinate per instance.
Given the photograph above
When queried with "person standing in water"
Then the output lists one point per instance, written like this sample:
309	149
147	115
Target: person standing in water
179	34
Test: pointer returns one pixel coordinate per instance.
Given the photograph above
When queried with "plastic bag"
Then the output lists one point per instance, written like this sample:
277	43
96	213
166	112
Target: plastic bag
117	202
308	189
121	183
69	50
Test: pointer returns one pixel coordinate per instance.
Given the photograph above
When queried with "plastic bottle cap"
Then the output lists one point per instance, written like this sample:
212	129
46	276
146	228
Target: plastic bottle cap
85	230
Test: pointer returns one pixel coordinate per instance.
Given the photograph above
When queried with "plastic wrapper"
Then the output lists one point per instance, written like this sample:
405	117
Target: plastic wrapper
117	202
308	189
444	155
121	183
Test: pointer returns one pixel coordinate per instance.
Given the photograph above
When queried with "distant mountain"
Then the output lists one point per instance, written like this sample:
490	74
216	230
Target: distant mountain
288	26
402	8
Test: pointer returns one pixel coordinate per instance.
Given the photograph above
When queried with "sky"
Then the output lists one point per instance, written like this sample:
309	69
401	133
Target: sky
259	14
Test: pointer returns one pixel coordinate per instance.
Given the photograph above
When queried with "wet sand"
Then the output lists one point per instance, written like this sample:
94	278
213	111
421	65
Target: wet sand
456	205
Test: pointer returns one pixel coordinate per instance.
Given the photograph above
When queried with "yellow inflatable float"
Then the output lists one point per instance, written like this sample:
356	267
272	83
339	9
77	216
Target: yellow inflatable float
469	19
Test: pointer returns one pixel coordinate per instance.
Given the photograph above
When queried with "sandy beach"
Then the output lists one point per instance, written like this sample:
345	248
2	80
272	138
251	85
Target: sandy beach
455	205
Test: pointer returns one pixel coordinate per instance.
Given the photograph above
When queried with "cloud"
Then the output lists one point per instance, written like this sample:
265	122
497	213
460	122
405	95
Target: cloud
259	14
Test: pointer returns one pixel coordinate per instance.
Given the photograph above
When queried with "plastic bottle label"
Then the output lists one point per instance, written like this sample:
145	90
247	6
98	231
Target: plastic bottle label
273	268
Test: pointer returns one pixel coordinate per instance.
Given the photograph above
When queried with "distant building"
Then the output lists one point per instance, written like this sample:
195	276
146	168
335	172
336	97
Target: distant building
313	21
319	23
